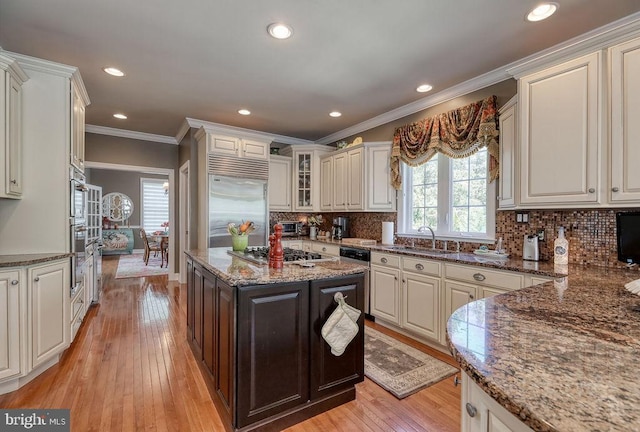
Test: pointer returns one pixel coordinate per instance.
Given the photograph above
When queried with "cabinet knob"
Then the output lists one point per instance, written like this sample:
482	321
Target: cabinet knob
592	190
471	296
395	277
456	380
37	279
615	189
383	260
479	277
419	266
14	282
324	249
471	410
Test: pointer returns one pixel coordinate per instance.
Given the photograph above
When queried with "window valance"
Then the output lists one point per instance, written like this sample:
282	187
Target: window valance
458	133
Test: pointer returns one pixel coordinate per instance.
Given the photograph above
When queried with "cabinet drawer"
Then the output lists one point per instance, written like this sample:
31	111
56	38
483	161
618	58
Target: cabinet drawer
77	305
385	259
326	249
418	265
482	276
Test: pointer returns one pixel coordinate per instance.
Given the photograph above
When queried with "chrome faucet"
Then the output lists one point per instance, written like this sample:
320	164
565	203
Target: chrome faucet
433	235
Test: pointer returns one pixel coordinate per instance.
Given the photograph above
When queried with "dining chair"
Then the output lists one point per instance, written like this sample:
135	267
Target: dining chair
149	247
164	246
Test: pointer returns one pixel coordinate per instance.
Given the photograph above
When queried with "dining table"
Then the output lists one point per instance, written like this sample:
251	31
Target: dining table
162	238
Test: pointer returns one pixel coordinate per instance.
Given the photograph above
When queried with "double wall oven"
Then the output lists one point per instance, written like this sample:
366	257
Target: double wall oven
78	229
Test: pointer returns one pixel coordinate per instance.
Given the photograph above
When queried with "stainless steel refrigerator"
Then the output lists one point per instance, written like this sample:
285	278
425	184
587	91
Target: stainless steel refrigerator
237	200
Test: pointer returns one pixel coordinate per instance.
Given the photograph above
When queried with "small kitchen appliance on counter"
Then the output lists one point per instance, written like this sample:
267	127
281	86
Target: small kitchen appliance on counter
530	250
340	228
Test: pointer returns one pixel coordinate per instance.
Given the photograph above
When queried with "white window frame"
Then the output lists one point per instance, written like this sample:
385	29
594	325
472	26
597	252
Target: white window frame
160	181
445	198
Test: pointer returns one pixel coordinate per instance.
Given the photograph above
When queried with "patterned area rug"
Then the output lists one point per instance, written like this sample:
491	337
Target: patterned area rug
133	266
399	368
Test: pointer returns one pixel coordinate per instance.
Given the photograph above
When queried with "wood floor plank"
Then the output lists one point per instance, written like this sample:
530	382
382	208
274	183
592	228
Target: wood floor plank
131	369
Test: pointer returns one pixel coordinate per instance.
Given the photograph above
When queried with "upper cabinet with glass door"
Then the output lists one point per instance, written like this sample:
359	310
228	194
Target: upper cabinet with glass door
306	175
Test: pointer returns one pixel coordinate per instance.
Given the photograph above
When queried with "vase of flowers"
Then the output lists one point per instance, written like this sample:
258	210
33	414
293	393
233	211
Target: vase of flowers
314	222
165	225
240	235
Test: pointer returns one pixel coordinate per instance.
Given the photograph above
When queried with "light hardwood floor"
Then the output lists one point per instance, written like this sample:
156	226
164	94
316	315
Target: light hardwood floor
130	369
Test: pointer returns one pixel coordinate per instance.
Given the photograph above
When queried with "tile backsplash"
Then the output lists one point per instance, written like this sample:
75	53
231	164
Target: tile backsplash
591	233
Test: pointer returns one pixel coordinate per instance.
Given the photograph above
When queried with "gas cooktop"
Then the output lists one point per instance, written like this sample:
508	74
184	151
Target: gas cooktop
260	255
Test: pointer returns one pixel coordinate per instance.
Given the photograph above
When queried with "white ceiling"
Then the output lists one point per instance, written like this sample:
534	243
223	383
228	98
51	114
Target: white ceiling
205	59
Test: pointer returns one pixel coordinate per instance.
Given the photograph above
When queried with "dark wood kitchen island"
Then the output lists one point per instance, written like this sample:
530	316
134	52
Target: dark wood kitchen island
256	334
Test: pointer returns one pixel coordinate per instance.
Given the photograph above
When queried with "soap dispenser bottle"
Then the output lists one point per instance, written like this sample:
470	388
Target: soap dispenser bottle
561	248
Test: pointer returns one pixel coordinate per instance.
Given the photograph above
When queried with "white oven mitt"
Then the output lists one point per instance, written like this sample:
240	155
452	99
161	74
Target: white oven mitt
341	327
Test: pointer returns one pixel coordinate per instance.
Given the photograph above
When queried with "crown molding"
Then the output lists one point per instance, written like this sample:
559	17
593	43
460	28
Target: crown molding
76	79
40	65
617	31
123	133
233	130
493	77
603	37
11	65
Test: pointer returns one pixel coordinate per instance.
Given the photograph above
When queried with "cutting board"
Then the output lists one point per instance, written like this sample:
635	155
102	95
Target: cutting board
358	241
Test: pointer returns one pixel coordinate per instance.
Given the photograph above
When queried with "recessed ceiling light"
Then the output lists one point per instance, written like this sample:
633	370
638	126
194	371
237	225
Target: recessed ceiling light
120	116
113	71
244	111
542	11
335	113
280	31
423	88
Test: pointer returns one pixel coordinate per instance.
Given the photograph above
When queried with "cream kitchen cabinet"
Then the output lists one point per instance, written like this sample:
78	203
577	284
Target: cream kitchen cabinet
406	292
480	413
237	146
12	294
279	183
560	132
77	311
381	196
385	287
326	183
354	179
48	288
306	175
78	105
340	194
624	185
421	292
34	330
11	79
508	147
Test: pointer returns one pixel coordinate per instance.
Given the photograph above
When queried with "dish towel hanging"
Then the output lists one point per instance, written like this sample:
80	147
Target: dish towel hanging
341	327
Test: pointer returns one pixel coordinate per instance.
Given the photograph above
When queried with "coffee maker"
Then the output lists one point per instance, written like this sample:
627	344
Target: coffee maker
340	228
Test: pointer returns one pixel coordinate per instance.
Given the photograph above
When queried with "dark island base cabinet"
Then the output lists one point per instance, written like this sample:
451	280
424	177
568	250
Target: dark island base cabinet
261	351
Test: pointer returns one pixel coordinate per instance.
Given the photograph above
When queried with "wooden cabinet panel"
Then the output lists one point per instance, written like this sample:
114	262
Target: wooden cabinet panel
381	196
421	304
339	181
279	183
330	373
255	149
197	309
625	127
267	345
355	179
456	295
225	347
190	299
77	128
326	183
49	294
224	145
208	321
508	148
561	122
385	293
10	332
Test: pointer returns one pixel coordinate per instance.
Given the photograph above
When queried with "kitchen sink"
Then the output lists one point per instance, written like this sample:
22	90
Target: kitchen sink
420	250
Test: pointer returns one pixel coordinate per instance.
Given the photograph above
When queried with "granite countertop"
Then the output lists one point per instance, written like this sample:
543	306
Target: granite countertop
560	356
543	268
237	271
30	259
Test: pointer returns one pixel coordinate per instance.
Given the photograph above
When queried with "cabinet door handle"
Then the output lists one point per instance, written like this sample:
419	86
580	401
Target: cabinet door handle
383	260
419	266
456	381
471	410
404	281
615	189
14	181
592	190
479	277
14	282
37	279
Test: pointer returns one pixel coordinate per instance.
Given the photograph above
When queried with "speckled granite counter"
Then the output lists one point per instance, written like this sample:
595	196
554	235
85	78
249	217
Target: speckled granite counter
30	259
236	271
561	356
